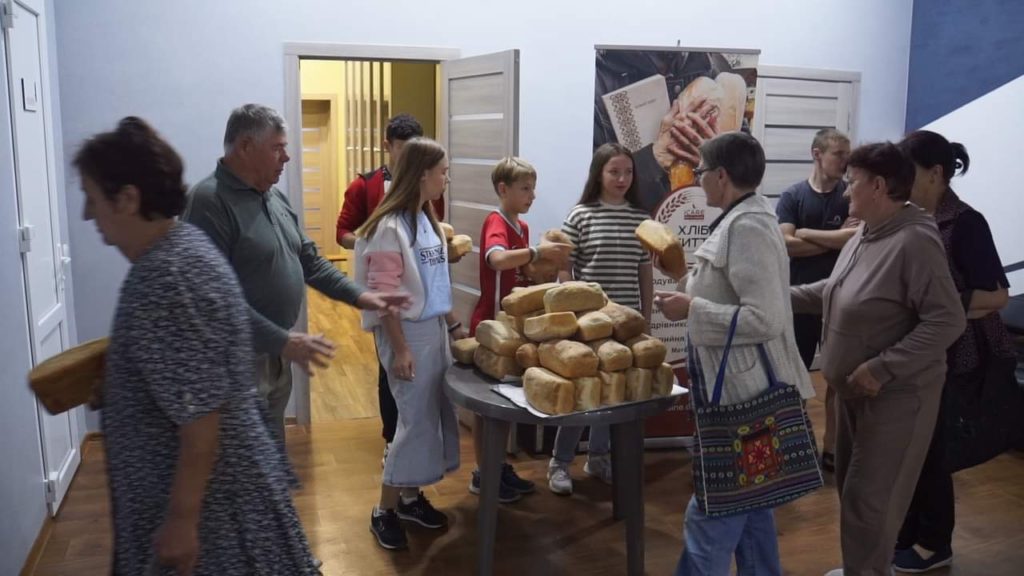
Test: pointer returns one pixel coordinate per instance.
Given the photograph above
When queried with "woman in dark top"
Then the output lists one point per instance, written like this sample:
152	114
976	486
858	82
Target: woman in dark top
197	485
927	534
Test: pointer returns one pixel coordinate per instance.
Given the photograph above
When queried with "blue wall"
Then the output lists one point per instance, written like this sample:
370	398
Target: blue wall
960	50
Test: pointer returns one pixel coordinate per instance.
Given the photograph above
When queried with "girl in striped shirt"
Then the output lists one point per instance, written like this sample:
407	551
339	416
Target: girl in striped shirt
606	251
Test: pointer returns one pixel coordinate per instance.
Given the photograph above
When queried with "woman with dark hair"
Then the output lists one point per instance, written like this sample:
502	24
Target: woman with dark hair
925	541
197	486
605	250
890	311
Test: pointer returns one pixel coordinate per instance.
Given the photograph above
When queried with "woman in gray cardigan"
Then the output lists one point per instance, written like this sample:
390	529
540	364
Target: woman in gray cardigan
741	266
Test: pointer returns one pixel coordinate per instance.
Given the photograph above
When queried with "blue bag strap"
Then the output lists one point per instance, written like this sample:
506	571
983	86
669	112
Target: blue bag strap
767	363
716	395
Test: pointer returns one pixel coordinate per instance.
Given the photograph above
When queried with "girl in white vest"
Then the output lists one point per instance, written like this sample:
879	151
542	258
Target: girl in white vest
402	247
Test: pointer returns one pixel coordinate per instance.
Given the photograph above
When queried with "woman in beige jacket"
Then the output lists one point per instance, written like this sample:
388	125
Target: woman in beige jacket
742	266
890	310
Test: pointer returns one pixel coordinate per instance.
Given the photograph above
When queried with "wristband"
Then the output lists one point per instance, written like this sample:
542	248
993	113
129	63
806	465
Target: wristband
534	254
454	327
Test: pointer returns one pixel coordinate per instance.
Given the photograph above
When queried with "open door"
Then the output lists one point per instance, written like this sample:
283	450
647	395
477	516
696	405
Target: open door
479	125
44	261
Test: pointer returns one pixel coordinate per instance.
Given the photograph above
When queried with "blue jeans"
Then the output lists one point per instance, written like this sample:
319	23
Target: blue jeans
711	543
569	436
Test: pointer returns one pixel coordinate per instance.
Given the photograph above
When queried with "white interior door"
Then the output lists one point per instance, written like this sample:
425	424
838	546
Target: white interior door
479	126
44	262
793	104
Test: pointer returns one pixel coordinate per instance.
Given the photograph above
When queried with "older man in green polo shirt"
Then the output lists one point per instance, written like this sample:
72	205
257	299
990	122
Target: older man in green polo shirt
251	221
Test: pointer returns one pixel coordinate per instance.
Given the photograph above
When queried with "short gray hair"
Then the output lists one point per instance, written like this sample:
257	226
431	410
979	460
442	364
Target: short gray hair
740	154
251	121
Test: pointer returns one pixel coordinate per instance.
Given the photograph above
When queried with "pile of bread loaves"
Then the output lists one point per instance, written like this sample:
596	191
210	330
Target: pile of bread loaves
574	349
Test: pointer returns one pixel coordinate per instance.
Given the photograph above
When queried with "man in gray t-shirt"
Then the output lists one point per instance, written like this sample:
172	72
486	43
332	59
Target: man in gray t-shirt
253	224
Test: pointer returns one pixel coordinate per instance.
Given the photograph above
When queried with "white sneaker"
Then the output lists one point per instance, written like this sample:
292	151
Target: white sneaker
384	459
599	467
836	572
559	480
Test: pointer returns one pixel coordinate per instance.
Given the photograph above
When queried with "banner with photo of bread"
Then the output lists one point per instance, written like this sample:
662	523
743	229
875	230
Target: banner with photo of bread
661	103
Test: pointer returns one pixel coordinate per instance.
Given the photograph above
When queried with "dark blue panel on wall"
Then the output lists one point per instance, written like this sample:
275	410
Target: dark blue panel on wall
961	50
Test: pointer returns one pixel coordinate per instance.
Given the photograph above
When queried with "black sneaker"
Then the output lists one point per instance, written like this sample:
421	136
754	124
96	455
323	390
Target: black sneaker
506	494
388	530
421	512
512	480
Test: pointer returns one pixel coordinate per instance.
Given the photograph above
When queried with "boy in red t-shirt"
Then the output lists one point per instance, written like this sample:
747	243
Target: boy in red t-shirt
504	251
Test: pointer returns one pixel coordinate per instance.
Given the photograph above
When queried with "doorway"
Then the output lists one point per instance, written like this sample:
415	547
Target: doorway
346	104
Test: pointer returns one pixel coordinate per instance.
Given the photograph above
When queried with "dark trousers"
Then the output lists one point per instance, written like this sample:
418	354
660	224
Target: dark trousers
388	407
807	329
931	517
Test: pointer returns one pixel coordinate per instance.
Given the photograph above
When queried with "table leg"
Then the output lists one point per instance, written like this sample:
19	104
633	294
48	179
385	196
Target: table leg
495	434
628	474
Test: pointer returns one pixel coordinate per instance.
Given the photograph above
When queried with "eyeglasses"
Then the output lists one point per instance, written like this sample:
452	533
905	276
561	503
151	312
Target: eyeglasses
699	171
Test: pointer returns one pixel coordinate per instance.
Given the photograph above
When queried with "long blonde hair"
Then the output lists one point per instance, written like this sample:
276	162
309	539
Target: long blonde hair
417	156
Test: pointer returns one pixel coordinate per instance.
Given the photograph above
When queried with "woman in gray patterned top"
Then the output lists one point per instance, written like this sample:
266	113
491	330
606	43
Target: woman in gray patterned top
197	485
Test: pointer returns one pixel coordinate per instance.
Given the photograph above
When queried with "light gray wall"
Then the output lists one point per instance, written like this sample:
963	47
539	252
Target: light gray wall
184	65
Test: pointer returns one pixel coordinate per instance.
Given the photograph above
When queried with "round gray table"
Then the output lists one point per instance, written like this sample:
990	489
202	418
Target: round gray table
470	389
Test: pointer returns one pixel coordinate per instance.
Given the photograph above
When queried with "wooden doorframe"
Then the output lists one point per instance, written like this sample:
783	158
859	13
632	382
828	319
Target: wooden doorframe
333	143
293	53
797	73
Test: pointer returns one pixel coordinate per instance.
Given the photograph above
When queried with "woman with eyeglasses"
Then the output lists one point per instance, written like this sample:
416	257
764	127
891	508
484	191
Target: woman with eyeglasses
741	267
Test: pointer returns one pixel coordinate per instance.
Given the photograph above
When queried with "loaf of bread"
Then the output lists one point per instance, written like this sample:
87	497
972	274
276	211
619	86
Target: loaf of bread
448	231
549	392
664	378
612	356
588	392
550	326
593	326
522	301
567	358
520	321
613	388
507	320
626	322
526	356
574	297
459	246
545	269
661	240
648	351
463	350
639	382
494	365
69	378
500	338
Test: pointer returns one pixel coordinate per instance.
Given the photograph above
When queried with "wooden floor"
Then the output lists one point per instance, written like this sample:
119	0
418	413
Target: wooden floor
339	464
348	388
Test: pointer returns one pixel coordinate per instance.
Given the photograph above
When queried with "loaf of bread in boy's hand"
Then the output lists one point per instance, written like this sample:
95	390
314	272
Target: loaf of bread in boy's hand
574	297
523	301
549	392
550	326
499	337
459	246
626	322
462	350
494	365
546	269
447	230
567	358
661	240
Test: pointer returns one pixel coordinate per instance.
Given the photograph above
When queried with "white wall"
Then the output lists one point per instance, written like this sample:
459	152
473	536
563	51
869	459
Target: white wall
184	65
992	185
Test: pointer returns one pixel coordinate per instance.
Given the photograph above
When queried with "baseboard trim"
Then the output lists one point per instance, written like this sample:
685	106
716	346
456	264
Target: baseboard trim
36	553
